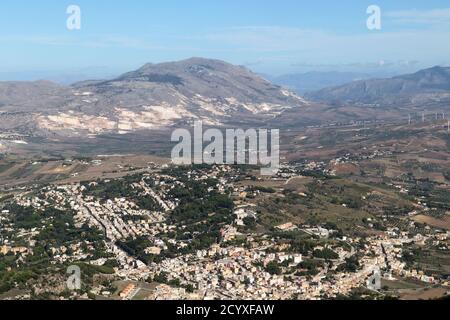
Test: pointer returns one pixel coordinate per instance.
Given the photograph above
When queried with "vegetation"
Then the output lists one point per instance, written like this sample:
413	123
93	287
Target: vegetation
136	248
326	254
351	265
273	268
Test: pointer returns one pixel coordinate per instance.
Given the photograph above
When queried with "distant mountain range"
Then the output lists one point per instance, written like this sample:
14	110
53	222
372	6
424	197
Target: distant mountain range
315	80
157	97
426	87
64	77
152	97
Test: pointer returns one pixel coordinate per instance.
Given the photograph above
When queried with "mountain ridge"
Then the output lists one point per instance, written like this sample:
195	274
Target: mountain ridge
427	84
302	83
154	96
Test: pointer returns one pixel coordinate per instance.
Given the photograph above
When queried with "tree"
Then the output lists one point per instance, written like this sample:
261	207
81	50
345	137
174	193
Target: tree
273	268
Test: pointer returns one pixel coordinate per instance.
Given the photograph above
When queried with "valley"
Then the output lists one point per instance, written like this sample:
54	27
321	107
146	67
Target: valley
343	196
87	181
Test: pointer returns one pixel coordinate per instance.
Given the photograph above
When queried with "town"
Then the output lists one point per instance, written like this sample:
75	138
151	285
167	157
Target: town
207	232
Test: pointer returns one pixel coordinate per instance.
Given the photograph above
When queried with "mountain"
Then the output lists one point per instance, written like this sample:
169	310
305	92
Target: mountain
425	87
153	97
315	80
29	96
61	77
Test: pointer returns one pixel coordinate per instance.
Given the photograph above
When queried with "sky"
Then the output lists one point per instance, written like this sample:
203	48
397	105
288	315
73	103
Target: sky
271	37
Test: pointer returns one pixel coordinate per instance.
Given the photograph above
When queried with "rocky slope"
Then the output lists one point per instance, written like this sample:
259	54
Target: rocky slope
153	97
429	86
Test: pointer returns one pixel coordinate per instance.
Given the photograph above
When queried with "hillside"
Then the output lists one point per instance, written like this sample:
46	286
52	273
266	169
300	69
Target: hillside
153	97
429	86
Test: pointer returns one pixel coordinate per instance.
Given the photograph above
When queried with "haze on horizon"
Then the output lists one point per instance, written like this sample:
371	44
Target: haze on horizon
278	37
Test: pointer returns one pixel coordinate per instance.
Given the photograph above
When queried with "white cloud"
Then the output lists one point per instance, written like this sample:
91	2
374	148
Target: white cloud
281	46
433	17
318	44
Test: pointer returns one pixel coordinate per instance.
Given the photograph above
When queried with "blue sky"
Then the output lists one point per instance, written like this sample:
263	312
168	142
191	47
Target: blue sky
268	36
